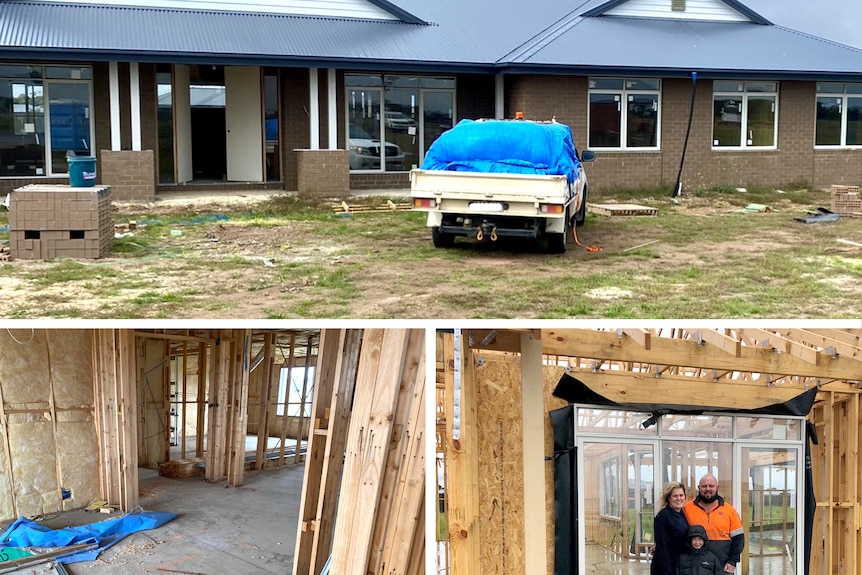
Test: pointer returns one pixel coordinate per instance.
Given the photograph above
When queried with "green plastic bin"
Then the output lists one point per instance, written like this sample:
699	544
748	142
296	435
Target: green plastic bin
82	171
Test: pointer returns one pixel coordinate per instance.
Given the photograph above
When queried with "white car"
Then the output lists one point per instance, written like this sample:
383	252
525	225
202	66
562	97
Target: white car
399	121
365	152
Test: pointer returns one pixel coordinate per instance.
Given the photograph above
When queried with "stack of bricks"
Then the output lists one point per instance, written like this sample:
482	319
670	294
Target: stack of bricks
847	200
52	221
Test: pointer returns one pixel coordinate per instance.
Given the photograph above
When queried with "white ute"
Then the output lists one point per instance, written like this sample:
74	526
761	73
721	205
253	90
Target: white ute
506	200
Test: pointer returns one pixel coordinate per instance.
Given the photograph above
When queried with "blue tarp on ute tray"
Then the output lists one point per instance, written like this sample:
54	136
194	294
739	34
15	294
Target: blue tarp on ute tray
505	146
26	533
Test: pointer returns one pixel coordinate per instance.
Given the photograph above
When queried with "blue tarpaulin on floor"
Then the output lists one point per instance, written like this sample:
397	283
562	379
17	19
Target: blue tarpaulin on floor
26	533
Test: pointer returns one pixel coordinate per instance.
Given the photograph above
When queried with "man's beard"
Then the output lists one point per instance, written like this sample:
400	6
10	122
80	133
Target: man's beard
709	499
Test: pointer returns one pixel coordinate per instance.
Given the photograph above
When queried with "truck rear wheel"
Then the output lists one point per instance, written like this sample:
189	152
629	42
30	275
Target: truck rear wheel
442	239
557	243
581	214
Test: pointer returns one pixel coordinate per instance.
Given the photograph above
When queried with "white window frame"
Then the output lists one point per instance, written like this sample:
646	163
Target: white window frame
624	94
843	97
744	94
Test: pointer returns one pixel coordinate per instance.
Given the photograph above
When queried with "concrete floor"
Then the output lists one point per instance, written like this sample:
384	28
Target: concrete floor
250	529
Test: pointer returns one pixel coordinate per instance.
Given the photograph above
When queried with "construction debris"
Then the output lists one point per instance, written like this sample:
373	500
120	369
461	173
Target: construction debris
390	206
622	210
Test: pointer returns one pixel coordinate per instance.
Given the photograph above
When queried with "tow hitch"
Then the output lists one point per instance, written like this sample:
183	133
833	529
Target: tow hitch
488	230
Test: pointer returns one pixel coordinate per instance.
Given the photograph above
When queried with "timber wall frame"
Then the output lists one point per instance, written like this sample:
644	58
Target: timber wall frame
745	367
363	497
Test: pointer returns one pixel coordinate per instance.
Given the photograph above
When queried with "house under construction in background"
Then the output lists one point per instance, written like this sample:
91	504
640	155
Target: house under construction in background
553	445
90	415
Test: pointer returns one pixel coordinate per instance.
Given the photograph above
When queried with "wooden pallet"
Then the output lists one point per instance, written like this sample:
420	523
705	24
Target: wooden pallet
345	208
622	210
5	254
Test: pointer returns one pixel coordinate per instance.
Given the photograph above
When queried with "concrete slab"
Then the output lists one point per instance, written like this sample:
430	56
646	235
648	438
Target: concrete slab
250	529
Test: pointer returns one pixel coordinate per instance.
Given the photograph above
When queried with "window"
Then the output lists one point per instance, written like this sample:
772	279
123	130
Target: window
45	114
610	487
744	114
839	114
404	113
634	125
290	397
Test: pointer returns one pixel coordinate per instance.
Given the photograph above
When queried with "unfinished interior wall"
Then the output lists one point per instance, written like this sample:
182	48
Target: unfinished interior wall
49	456
153	367
837	473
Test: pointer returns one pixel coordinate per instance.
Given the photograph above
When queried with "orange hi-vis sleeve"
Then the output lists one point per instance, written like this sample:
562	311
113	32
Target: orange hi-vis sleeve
721	523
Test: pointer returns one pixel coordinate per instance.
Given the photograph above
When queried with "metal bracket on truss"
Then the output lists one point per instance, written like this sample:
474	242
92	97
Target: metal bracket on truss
456	396
769	380
831	352
492	335
714	376
620	333
698	337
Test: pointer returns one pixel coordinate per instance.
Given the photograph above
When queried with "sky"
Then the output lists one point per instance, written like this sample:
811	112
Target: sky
838	20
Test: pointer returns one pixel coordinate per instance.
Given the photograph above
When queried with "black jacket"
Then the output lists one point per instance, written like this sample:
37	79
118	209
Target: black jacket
698	561
671	531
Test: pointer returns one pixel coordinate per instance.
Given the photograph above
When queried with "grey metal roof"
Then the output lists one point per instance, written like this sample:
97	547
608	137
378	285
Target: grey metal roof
454	35
715	48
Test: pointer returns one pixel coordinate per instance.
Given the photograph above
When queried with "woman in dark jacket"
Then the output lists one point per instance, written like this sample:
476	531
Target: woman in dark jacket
671	530
698	560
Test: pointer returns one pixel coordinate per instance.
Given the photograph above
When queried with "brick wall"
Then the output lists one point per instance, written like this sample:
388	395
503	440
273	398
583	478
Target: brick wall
323	173
130	174
795	160
51	221
380	181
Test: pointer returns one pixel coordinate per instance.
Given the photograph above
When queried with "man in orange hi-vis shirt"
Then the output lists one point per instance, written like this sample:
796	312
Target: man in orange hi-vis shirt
721	521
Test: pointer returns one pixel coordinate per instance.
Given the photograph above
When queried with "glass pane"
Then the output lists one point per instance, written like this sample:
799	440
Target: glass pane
642	121
604	121
761	87
69	72
697	425
854	121
830	88
688	461
446	83
270	106
607	421
363	80
22	128
725	86
854	88
13	71
401	124
606	84
643	84
69	108
401	81
828	130
768	428
768	509
727	121
619	494
165	127
438	115
363	124
761	121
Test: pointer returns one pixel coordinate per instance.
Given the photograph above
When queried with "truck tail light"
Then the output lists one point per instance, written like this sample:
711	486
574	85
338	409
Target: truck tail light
423	203
551	208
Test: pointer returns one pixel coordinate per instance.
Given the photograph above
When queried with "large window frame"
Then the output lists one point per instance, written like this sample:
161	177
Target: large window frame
743	104
30	126
393	106
633	127
838	106
736	437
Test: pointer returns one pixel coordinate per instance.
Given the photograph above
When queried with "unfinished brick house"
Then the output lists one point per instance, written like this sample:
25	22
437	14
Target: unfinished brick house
326	97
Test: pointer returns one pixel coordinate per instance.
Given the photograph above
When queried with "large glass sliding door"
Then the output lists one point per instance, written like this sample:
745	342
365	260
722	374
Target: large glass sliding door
69	113
626	458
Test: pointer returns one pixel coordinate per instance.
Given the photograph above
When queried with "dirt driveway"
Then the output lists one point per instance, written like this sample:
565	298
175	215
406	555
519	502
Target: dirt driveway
210	258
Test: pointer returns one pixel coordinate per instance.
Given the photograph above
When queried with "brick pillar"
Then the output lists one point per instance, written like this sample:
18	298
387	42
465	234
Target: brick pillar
131	175
323	173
